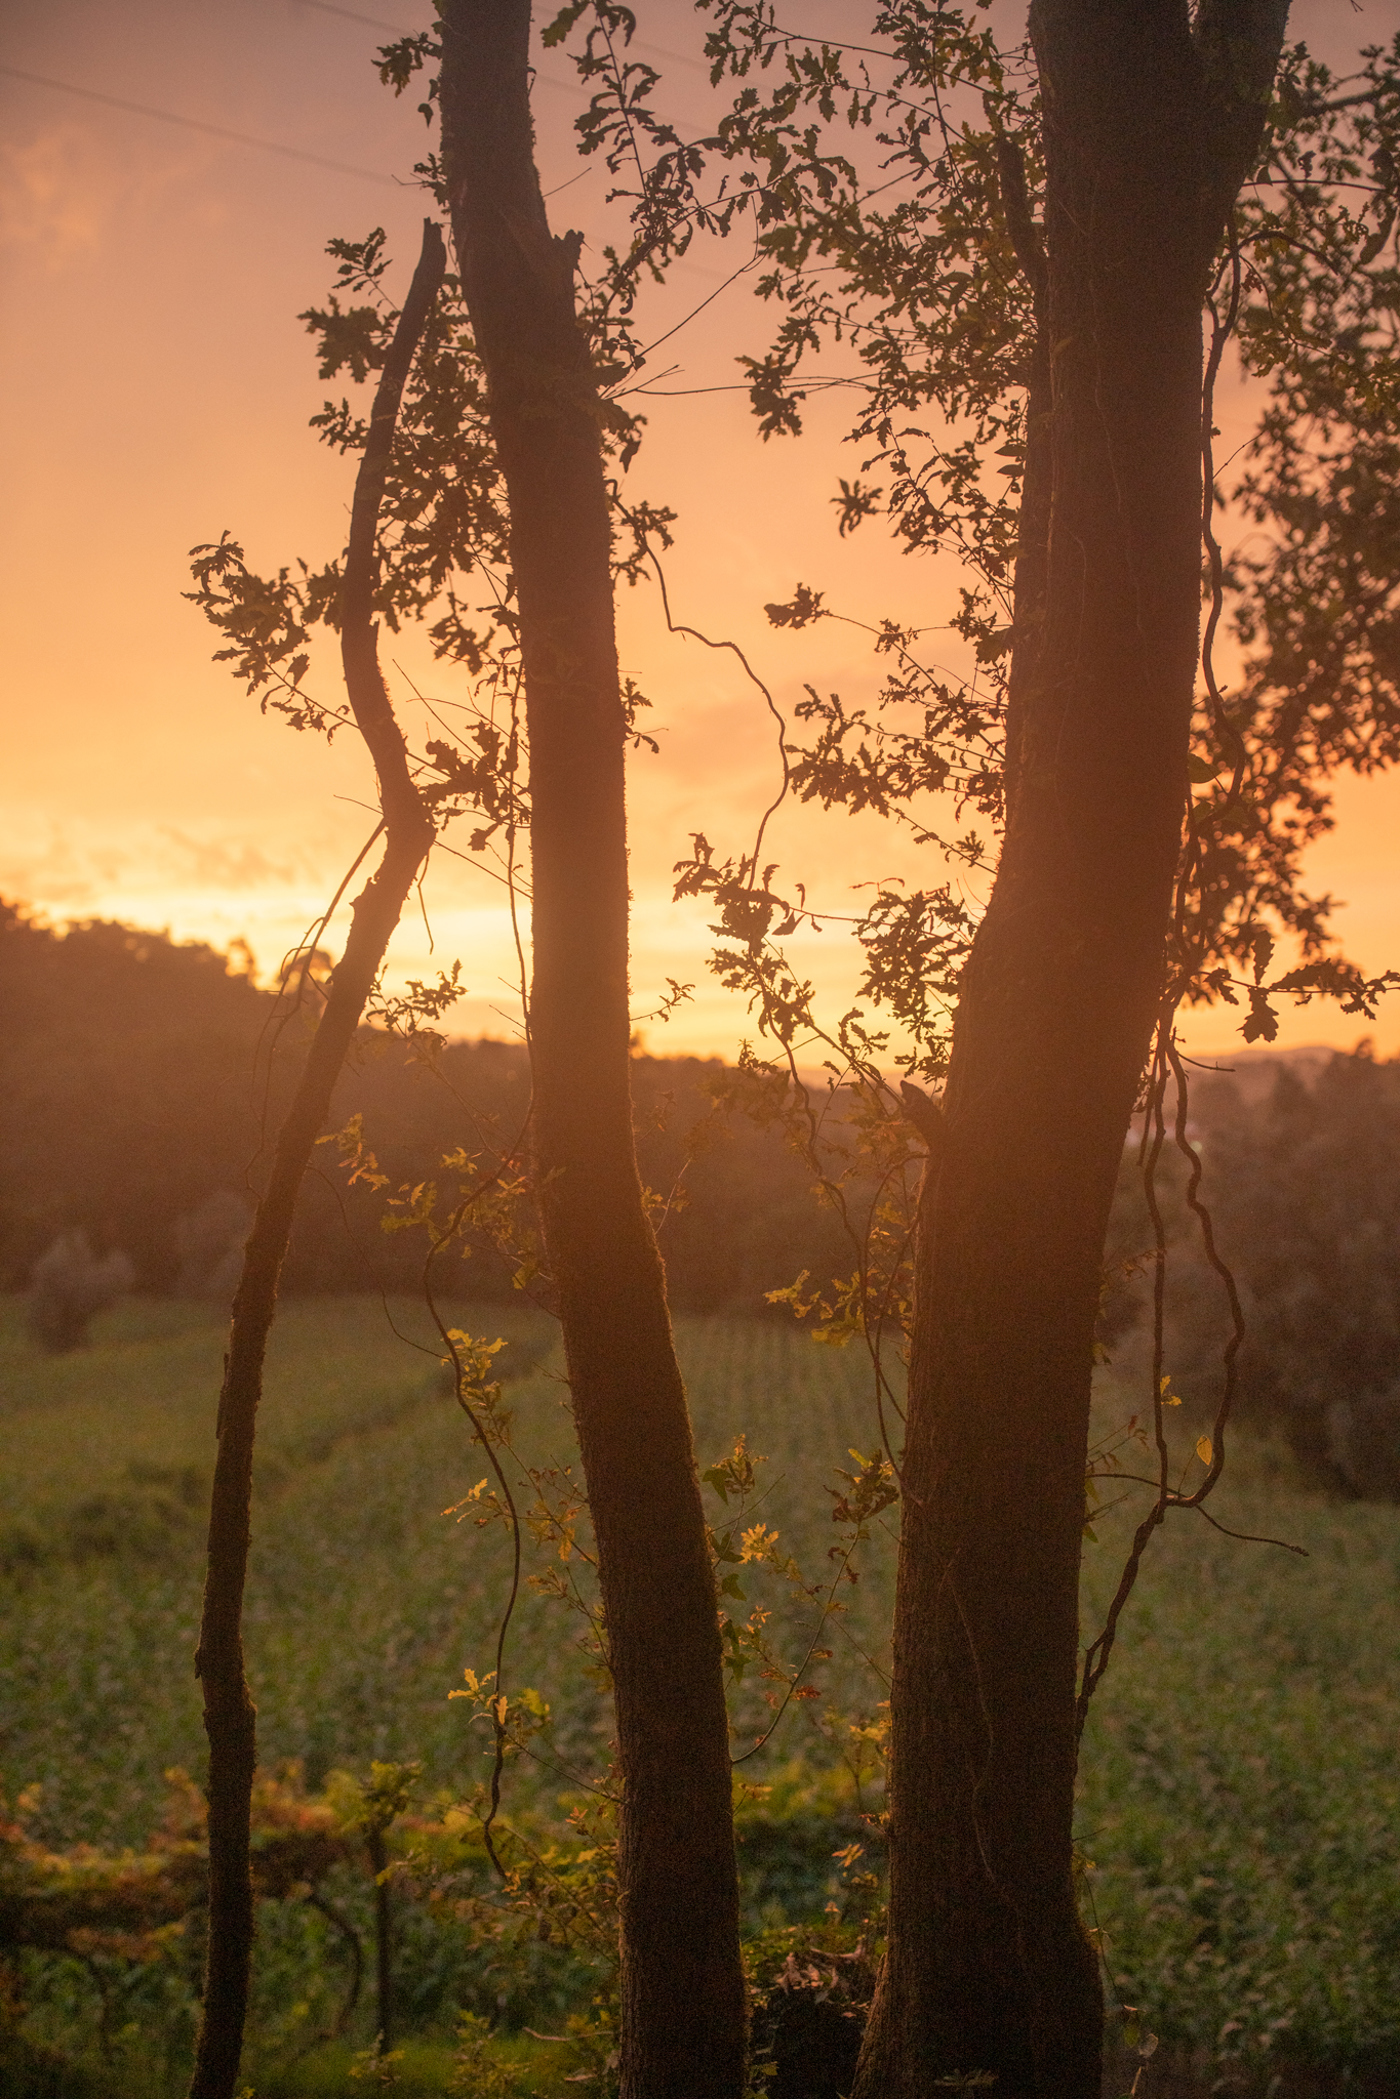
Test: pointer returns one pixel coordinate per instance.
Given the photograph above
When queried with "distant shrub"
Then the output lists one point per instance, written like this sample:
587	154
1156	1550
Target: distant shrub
209	1244
68	1285
809	2015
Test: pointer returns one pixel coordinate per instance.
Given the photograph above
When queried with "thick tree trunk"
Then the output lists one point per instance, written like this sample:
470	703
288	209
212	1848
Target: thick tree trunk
229	1714
988	1966
682	1981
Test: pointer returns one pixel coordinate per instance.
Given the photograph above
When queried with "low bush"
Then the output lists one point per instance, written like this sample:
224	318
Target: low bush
68	1286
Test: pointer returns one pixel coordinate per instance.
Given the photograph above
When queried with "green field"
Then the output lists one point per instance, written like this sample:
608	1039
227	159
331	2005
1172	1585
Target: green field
365	1601
1240	1799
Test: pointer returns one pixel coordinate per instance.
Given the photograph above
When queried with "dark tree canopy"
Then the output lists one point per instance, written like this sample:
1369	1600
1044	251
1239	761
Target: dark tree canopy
133	1064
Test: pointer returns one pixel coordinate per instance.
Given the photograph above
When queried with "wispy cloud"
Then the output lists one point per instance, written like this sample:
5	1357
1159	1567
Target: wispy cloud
225	863
49	197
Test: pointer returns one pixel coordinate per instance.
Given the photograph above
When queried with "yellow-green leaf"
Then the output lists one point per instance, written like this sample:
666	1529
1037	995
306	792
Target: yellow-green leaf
1205	1449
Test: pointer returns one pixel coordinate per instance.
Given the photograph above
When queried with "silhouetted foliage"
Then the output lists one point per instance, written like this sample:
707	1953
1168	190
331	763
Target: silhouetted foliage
127	1067
809	2022
1305	1177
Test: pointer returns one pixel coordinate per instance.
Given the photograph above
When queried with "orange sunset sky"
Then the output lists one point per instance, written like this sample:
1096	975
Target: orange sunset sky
157	386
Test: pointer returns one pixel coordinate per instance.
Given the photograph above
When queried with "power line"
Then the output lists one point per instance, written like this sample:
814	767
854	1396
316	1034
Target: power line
220	131
324	7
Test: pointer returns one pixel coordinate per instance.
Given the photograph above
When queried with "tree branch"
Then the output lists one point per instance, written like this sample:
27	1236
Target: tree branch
230	1717
364	682
1025	235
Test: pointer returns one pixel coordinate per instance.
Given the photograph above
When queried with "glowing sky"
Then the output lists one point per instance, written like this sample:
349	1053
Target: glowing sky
157	386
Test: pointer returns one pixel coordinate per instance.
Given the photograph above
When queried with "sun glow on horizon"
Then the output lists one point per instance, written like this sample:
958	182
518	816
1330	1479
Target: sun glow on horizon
155	275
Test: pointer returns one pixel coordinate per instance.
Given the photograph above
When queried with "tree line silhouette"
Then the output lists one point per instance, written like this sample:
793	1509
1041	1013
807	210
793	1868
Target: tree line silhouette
138	1106
142	1081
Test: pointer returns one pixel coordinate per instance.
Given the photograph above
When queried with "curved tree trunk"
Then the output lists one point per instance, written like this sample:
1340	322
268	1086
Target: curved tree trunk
1148	132
682	1979
229	1714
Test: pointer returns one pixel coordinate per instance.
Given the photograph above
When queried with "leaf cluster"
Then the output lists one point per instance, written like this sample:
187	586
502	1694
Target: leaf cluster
876	181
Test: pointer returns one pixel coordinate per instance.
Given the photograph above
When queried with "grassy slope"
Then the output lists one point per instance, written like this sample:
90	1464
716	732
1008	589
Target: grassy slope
362	1599
1241	1793
1240	1788
365	1601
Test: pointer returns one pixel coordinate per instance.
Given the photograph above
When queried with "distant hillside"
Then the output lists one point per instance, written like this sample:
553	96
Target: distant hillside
140	1076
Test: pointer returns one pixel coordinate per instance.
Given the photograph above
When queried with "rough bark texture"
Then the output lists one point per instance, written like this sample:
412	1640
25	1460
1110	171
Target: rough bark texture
229	1714
1148	133
682	1983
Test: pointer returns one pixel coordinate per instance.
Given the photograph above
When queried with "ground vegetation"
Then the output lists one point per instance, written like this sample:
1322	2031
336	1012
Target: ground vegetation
1236	1823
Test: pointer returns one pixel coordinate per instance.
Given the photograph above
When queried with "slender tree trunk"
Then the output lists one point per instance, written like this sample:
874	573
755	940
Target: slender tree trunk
229	1713
682	1980
1148	132
383	1938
